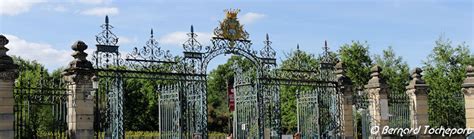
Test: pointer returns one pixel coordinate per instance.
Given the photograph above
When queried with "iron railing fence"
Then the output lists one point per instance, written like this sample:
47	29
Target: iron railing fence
362	119
40	108
399	110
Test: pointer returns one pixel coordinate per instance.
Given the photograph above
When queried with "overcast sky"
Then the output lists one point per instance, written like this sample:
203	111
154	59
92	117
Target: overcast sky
44	29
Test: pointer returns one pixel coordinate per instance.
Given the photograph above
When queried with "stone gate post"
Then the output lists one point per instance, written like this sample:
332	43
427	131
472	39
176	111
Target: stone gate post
345	85
80	106
468	89
417	90
8	74
377	90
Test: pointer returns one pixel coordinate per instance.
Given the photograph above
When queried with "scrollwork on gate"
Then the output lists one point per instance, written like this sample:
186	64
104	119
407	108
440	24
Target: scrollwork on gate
107	37
192	45
151	52
267	51
107	54
221	46
150	57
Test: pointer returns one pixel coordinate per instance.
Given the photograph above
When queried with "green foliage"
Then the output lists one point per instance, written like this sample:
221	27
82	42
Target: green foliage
56	74
395	70
300	60
295	60
29	70
357	60
140	105
444	72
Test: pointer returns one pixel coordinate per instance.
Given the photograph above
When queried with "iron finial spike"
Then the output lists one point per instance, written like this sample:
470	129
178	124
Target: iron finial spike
267	37
192	29
106	19
298	46
151	32
326	48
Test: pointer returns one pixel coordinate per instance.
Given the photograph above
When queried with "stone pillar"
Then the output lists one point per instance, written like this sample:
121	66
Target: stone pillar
468	90
417	90
377	90
80	106
8	74
345	85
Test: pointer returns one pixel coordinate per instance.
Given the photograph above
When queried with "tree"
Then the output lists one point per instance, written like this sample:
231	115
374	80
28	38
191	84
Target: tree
29	70
444	72
358	62
395	70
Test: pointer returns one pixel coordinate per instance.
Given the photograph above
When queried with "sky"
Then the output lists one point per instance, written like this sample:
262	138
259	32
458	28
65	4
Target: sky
44	30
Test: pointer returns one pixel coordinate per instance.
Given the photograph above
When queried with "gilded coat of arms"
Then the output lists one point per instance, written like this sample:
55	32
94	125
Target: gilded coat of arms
230	28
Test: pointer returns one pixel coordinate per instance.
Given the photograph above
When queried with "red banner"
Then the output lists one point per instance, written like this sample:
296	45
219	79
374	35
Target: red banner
230	95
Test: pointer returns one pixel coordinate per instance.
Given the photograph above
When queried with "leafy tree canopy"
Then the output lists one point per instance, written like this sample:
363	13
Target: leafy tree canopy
357	60
444	72
395	70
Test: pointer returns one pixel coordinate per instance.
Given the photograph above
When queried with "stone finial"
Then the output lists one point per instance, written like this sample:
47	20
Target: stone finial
469	81
6	62
79	53
80	62
416	80
376	80
3	50
340	67
470	71
375	71
3	41
341	74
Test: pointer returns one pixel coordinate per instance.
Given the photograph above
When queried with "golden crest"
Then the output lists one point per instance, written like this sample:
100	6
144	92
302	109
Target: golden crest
230	27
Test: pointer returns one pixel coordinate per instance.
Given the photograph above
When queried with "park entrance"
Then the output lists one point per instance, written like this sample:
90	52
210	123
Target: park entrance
180	84
148	90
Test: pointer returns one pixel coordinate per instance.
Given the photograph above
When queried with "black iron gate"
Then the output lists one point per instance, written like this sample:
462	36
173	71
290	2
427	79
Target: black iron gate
180	86
179	89
246	124
318	98
40	106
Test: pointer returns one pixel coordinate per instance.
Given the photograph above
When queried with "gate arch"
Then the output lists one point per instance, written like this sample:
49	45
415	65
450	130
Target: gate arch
230	38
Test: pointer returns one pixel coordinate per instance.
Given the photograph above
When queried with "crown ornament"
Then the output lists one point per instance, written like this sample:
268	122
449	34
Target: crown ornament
232	13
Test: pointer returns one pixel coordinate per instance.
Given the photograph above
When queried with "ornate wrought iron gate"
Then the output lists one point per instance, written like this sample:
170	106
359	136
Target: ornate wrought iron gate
399	110
181	91
170	111
318	103
246	110
308	114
